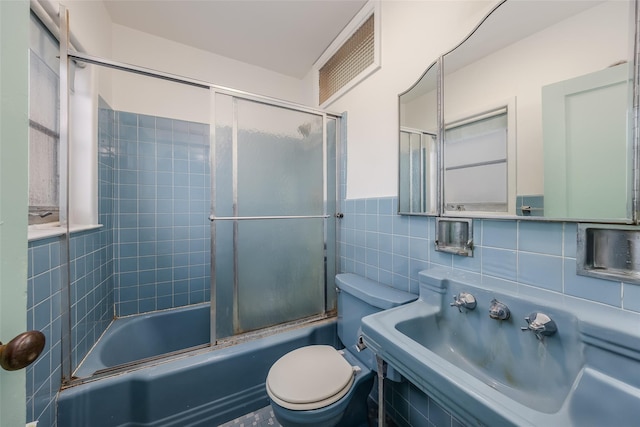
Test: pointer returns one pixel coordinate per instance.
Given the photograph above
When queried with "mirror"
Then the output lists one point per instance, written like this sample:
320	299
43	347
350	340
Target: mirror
418	180
537	112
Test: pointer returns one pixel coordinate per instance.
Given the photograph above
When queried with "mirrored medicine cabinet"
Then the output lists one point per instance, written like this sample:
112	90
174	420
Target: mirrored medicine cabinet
530	117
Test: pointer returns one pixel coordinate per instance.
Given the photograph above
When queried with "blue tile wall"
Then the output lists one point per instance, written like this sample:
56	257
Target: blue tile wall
152	251
161	205
392	249
410	407
44	314
377	243
91	295
91	288
91	291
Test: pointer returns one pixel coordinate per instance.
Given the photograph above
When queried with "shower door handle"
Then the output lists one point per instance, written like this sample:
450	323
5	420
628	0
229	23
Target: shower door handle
21	351
245	218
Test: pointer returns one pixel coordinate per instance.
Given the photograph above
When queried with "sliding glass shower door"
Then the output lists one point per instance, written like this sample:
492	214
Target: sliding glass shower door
269	216
155	156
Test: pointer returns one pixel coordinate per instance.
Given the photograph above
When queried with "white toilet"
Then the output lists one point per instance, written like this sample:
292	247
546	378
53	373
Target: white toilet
323	387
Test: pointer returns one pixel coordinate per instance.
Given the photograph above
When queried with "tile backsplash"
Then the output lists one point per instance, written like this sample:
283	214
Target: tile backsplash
381	245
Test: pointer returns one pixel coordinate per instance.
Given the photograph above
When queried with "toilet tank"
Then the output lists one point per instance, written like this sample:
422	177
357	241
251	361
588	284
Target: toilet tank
359	297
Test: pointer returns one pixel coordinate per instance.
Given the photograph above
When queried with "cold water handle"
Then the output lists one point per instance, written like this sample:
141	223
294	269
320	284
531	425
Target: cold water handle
540	324
464	299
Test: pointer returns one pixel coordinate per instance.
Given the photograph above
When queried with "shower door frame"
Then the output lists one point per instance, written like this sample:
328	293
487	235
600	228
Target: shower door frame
68	54
235	95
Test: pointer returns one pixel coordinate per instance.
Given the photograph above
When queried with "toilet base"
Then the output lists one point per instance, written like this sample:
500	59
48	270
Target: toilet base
357	414
350	411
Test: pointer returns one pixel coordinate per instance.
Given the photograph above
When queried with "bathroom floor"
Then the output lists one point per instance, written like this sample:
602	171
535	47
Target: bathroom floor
261	418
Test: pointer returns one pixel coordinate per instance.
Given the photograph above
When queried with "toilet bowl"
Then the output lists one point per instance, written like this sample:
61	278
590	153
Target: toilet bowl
321	386
315	385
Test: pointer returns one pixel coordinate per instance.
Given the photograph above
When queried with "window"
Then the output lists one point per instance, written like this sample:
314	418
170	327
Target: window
44	132
351	57
476	172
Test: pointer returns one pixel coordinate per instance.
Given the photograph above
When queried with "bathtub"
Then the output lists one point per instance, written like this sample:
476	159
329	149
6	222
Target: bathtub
204	389
144	336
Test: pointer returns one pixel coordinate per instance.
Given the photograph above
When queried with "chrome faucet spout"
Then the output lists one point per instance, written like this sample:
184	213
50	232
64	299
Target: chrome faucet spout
499	310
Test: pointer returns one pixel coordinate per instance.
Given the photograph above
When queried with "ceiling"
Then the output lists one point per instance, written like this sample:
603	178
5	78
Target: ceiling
285	36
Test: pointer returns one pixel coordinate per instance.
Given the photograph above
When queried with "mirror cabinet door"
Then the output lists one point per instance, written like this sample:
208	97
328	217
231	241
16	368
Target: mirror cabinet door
418	172
537	107
542	95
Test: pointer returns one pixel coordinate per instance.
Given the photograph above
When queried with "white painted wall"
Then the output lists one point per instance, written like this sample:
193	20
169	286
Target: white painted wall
83	149
414	34
135	47
90	25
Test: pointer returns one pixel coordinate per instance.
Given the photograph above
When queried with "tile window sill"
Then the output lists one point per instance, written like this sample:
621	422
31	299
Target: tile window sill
44	231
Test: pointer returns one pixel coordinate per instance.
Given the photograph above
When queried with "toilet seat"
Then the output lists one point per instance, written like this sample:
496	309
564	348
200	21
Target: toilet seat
310	377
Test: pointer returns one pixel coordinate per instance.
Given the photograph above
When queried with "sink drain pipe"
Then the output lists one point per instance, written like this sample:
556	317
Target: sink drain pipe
382	373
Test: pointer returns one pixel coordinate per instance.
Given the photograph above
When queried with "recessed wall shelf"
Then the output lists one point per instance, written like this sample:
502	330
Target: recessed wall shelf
455	236
609	252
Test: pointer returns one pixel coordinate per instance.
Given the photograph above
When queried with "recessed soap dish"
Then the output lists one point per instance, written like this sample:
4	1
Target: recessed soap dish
455	236
609	252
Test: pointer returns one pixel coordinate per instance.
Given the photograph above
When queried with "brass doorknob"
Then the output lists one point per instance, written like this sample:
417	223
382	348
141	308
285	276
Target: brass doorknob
21	351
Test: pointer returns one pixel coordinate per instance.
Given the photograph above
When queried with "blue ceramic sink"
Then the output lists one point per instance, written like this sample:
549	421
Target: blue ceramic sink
490	372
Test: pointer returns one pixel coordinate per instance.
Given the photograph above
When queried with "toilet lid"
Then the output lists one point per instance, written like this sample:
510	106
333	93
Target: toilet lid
309	378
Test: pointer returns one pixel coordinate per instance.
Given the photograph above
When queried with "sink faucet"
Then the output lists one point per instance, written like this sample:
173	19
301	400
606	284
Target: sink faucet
499	310
464	299
540	324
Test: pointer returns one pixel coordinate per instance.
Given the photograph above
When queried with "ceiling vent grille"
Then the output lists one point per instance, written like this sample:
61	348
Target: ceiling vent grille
352	58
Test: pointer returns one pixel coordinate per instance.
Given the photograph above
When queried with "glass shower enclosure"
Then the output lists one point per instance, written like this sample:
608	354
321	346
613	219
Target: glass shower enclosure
209	200
269	214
